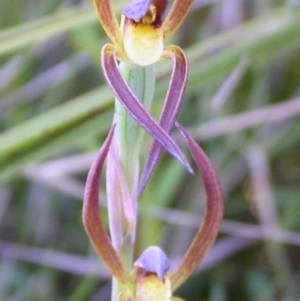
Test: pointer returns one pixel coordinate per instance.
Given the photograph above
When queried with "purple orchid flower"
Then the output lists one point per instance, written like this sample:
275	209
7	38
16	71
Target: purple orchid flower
202	242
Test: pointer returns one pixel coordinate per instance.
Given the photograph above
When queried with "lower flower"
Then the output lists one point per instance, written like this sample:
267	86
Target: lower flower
149	279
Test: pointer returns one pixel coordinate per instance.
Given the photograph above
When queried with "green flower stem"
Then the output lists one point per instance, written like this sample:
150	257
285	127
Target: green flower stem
129	140
130	135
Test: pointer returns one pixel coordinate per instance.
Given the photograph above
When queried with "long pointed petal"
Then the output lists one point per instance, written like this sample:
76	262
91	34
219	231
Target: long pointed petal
176	16
171	108
109	21
91	217
213	216
134	106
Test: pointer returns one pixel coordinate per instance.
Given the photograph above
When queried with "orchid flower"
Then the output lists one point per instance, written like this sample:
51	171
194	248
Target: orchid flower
150	279
140	40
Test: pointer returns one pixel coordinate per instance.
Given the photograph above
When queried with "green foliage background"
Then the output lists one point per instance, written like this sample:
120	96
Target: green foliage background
242	104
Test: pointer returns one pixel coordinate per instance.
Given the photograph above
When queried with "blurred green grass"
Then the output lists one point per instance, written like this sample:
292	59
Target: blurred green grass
242	104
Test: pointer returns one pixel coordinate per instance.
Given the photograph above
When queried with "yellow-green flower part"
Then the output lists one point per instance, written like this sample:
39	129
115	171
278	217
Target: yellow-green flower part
151	288
143	43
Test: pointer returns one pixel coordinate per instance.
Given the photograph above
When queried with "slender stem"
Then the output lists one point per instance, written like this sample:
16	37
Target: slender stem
129	138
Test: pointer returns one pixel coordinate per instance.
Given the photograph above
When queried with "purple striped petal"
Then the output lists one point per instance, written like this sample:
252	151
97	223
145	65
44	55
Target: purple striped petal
91	217
213	216
123	92
171	108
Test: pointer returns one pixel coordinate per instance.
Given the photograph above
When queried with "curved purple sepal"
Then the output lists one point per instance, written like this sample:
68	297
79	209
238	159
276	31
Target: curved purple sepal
213	216
170	110
91	216
124	94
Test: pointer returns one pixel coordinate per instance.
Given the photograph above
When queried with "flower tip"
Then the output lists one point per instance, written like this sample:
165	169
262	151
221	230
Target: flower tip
154	260
137	9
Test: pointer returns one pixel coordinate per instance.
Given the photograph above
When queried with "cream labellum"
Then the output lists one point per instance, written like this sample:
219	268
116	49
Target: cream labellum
143	43
143	37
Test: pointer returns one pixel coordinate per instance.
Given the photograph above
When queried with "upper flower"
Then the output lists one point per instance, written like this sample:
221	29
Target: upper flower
140	38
